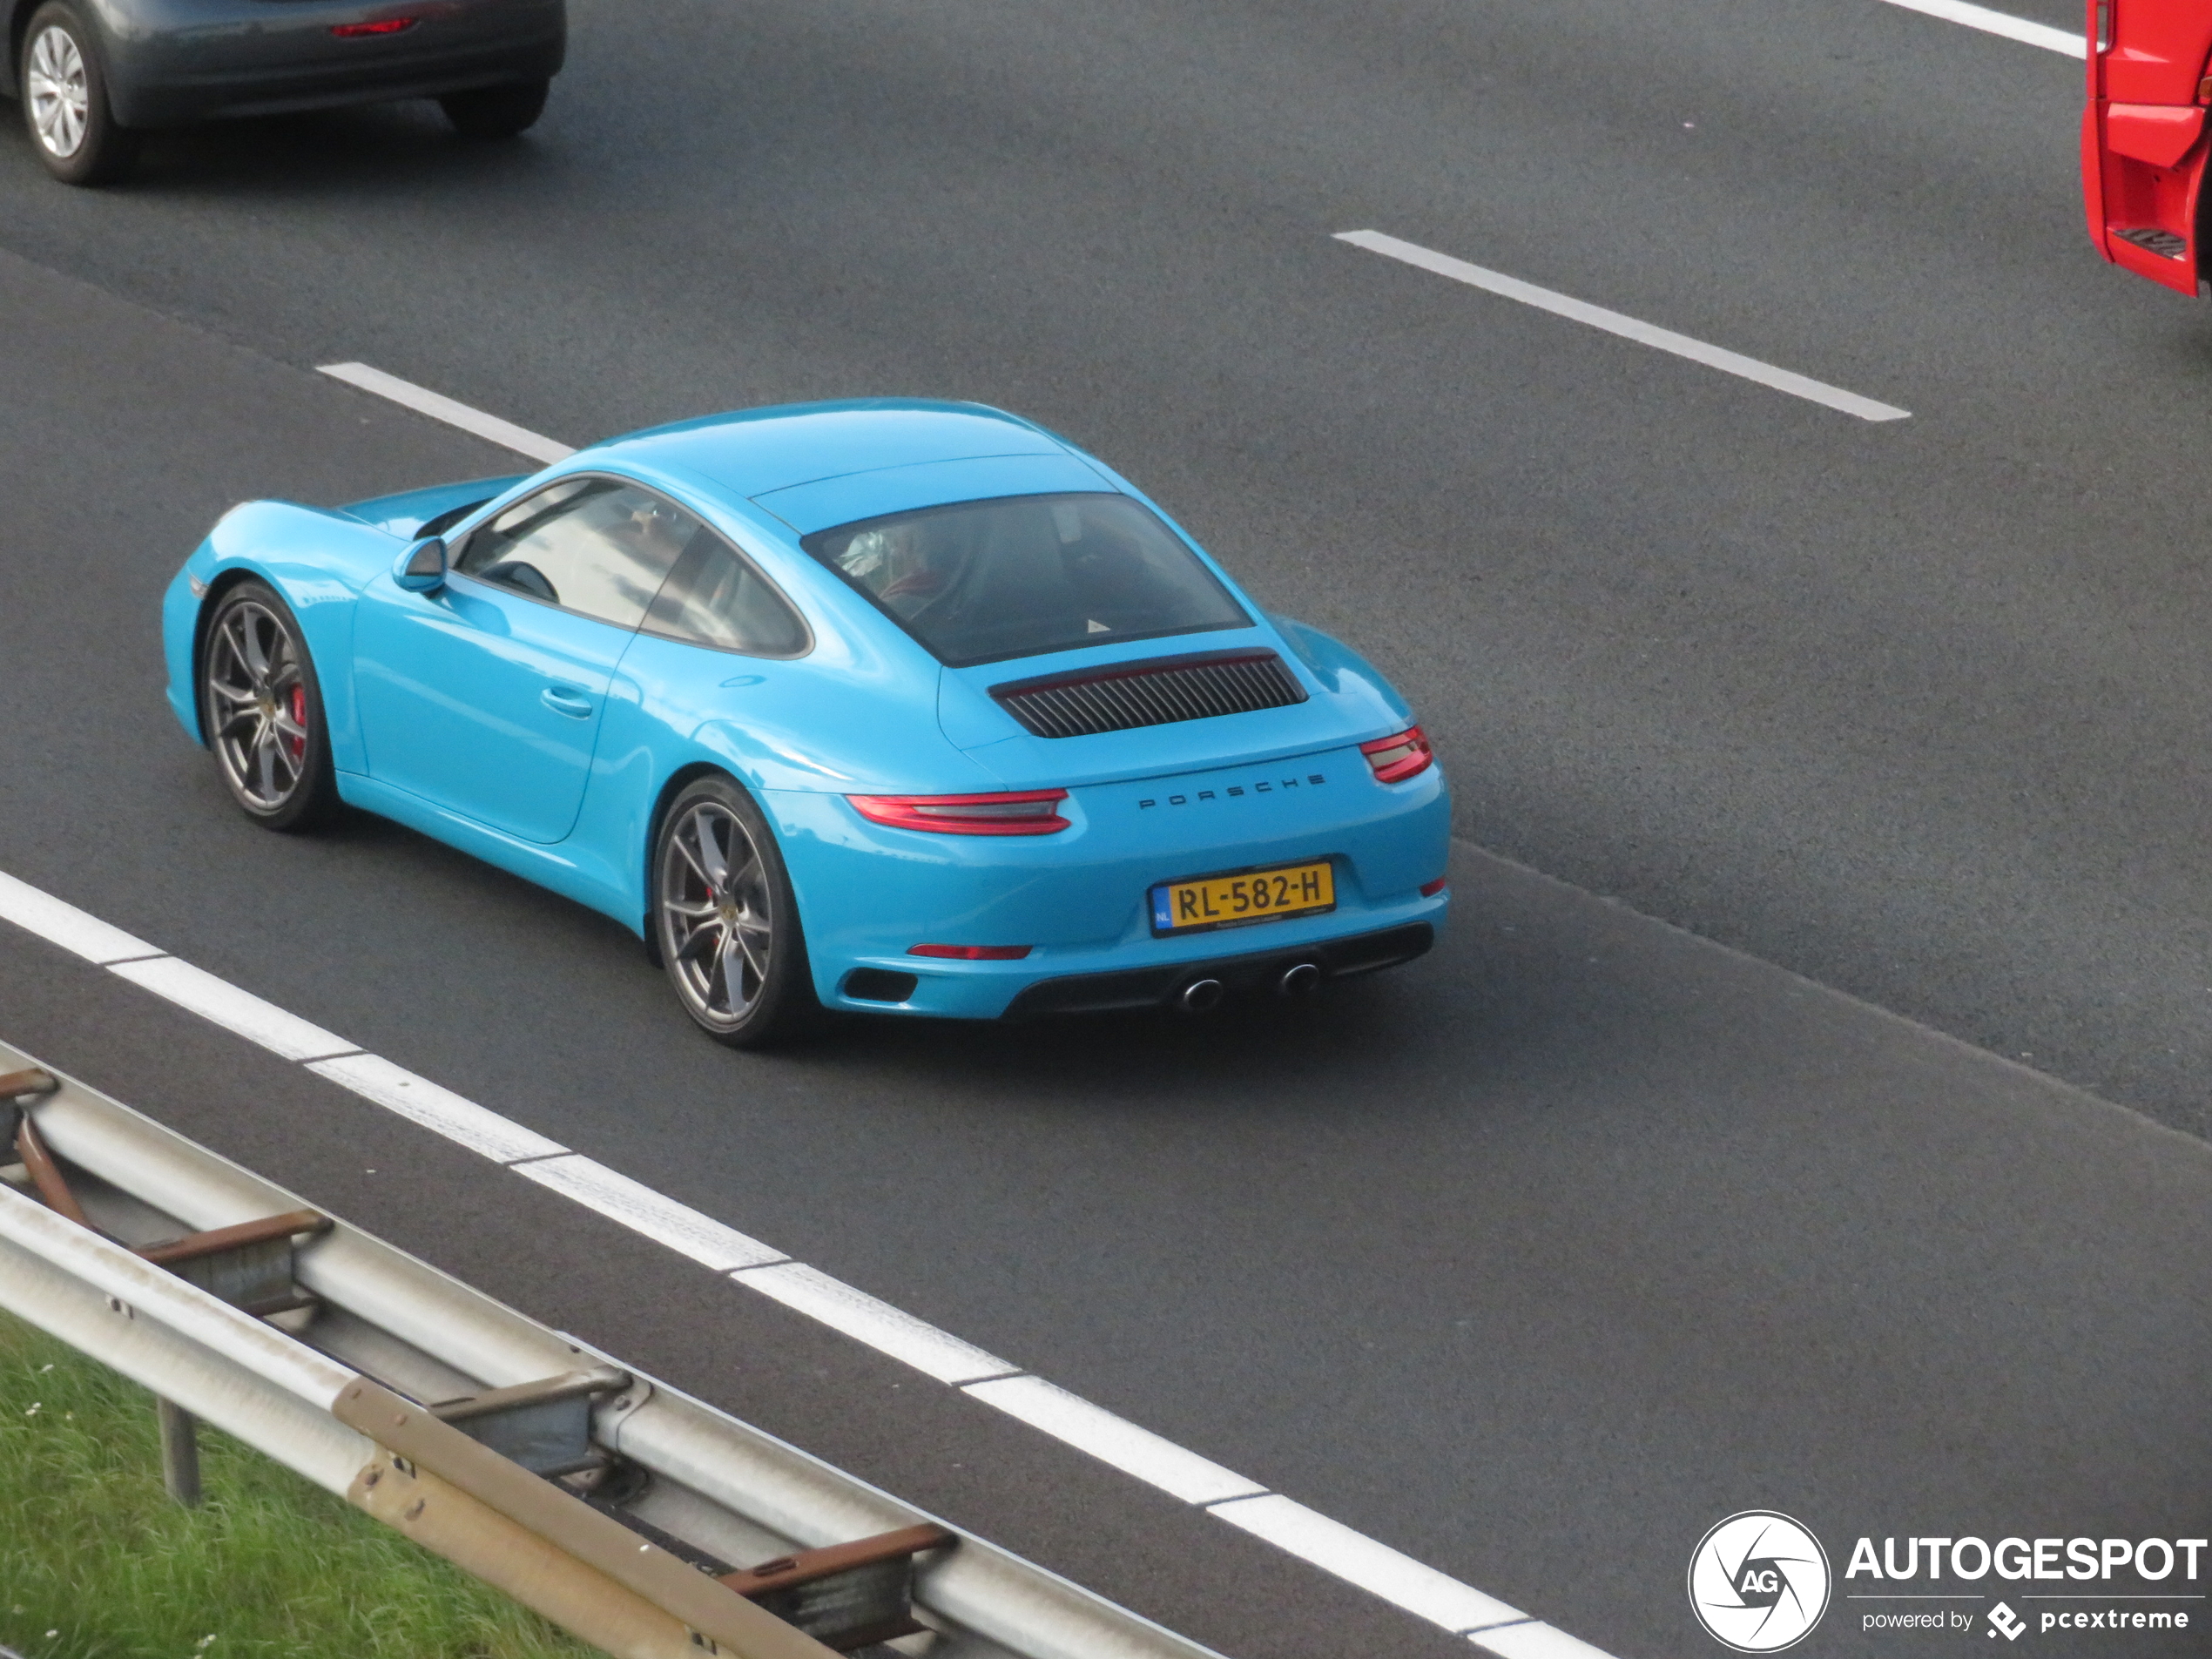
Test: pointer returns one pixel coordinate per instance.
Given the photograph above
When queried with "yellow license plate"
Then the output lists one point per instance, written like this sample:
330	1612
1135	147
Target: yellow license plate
1239	901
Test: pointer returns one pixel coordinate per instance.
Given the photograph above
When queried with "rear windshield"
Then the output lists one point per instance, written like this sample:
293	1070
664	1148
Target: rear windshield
985	580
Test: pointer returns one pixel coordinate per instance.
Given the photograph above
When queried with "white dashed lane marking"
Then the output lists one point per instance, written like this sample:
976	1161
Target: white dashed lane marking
2069	42
439	407
1627	327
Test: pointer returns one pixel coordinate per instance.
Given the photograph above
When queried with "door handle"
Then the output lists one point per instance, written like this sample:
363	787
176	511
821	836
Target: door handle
563	700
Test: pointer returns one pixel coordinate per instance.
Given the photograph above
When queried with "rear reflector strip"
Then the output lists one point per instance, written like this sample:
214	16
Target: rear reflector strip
971	953
383	26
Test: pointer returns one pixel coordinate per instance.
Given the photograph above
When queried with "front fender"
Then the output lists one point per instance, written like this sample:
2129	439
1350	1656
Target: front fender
319	562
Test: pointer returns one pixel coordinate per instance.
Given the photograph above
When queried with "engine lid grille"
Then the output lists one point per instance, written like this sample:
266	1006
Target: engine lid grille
1158	691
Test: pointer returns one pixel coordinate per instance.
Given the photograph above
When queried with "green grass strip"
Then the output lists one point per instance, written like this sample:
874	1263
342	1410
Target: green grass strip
98	1562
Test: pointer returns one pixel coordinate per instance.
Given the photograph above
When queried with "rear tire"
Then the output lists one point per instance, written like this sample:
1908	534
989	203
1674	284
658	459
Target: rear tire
725	922
260	709
495	111
64	87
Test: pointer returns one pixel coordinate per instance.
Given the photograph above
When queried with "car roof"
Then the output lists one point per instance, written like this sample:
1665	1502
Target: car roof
751	452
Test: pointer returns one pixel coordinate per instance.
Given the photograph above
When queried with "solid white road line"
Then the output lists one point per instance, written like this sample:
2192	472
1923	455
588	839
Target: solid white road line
420	1101
438	407
65	925
887	1330
1333	1548
2071	42
1375	1567
240	1011
1613	323
1114	1439
637	1207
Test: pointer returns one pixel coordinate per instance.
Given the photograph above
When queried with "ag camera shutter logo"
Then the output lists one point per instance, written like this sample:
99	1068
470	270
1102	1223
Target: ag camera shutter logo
1758	1581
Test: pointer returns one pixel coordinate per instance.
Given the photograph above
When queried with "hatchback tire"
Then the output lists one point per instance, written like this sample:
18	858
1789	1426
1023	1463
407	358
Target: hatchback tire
495	111
65	93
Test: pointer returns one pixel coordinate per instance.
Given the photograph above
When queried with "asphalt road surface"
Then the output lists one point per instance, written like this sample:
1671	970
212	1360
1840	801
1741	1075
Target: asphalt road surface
1534	1259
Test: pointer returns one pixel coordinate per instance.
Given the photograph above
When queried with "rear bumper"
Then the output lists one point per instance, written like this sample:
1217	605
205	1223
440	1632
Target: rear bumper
1078	900
1255	974
174	61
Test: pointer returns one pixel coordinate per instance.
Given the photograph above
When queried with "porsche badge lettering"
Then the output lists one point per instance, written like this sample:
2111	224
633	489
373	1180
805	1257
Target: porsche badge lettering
1235	791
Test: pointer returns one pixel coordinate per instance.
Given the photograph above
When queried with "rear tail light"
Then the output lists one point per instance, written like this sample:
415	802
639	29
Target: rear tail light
383	26
1398	758
971	953
1029	812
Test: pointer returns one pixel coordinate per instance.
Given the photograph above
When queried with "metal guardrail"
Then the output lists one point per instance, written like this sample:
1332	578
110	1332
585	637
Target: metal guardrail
620	1507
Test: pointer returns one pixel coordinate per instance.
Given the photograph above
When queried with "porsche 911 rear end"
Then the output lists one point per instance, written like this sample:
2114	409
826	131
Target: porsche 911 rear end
1164	889
1196	799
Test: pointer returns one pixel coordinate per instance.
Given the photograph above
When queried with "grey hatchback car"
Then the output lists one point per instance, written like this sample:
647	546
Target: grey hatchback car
94	76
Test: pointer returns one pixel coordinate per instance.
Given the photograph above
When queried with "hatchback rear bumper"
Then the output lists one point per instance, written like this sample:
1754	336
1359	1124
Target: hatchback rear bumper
171	62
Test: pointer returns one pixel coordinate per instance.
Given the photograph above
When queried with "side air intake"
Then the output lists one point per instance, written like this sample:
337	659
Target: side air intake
1158	691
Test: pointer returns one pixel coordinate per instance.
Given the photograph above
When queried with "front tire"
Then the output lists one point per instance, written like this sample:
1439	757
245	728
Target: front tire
73	129
495	111
260	707
726	922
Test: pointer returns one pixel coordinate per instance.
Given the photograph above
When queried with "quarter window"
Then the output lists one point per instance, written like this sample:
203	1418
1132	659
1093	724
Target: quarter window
593	546
715	597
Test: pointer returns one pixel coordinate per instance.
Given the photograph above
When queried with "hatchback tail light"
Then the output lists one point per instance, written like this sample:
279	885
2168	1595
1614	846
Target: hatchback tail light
1027	811
1400	757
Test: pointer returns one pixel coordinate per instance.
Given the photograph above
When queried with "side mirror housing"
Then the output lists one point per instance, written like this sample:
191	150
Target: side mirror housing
421	569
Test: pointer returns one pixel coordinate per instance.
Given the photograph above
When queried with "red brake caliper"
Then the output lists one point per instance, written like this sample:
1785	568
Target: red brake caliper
299	744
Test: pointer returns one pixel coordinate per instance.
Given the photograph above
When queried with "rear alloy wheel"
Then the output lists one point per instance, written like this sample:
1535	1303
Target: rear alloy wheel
261	711
726	920
65	102
495	111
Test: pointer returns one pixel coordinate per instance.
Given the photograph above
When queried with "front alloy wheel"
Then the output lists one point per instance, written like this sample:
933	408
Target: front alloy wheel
262	713
726	920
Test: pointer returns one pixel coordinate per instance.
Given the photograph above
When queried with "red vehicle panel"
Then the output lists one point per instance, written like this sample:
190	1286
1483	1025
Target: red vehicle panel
2143	143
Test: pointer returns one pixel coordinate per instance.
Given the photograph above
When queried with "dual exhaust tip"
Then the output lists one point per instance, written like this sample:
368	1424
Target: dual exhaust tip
1294	984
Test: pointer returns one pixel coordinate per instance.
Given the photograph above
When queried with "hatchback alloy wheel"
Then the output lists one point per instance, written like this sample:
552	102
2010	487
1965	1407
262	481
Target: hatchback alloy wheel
59	92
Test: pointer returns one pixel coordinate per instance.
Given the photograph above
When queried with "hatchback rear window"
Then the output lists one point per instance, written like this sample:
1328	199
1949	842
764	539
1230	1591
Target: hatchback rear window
983	581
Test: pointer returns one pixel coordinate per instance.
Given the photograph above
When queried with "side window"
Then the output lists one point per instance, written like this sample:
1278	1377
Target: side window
715	597
587	545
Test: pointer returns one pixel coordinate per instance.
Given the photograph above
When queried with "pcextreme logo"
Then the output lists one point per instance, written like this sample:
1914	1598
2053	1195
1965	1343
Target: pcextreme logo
1758	1581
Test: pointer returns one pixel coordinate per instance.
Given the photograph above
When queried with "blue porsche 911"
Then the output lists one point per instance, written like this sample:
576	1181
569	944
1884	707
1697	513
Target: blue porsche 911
898	706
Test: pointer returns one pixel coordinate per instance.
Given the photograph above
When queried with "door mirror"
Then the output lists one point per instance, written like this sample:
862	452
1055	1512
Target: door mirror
421	569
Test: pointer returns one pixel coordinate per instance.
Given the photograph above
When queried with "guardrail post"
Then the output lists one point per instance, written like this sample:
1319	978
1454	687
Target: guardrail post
179	1452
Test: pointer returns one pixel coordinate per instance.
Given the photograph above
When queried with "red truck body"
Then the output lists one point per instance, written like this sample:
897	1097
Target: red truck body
2143	142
